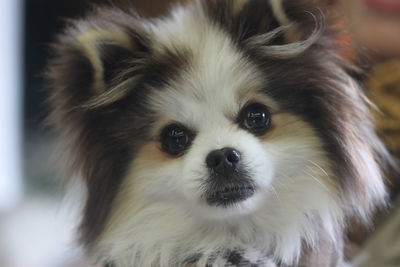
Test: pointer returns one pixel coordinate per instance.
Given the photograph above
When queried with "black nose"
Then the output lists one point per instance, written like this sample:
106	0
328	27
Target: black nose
223	161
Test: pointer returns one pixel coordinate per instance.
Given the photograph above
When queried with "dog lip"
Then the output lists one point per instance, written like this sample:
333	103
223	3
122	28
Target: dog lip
230	195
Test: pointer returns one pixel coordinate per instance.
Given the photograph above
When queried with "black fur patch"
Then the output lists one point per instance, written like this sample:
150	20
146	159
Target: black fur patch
235	258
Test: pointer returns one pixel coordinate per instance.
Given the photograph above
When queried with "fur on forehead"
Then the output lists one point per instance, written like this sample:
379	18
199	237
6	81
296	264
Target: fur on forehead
108	66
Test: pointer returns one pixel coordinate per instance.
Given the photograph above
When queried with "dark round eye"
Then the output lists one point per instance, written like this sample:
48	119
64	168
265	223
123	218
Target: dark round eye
175	139
255	118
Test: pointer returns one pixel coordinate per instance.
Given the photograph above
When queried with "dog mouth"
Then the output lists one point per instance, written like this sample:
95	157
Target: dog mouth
228	195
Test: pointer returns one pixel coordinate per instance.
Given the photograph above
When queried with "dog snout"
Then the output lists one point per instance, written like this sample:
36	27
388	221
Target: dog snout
223	161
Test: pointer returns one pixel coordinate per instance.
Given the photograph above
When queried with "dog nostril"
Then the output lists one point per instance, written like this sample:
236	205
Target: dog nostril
214	159
233	156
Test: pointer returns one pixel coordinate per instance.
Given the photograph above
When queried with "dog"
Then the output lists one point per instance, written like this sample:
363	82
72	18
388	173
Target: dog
228	133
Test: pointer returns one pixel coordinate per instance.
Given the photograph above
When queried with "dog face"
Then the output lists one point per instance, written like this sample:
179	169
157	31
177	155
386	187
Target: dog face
216	125
219	139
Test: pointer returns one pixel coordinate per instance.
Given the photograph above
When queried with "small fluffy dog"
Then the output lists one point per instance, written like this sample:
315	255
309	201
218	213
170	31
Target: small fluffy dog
225	134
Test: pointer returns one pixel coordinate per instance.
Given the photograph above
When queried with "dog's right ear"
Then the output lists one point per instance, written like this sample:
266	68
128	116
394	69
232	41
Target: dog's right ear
97	60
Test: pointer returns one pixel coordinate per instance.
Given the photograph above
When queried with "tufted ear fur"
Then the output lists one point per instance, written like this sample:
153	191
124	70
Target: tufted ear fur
302	17
96	58
286	27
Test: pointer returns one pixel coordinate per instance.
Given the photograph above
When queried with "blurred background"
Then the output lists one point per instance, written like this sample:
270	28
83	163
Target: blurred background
37	225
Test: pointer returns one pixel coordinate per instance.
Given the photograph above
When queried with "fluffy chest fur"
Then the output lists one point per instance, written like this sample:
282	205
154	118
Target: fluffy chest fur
220	135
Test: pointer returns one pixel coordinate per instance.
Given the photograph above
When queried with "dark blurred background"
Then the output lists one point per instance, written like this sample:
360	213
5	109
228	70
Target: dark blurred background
36	227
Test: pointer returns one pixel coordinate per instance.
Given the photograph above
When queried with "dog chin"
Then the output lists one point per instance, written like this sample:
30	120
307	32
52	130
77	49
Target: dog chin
221	208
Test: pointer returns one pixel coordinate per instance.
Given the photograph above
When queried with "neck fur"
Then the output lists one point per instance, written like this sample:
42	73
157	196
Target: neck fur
177	239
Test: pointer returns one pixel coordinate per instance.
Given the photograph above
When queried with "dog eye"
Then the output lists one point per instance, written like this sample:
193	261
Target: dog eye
255	118
175	139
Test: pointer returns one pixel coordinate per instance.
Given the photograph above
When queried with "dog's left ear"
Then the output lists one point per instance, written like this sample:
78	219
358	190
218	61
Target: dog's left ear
98	62
255	23
302	17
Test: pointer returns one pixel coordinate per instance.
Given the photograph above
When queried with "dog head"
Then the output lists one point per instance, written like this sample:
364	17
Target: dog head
224	115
